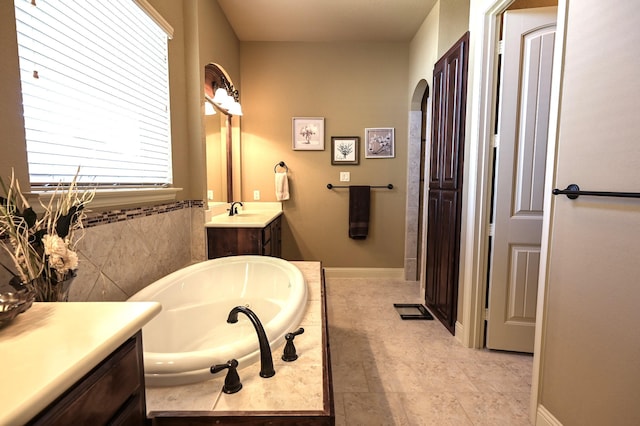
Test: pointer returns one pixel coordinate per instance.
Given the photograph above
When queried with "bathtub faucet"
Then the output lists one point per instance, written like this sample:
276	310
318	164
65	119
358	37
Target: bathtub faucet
266	361
233	210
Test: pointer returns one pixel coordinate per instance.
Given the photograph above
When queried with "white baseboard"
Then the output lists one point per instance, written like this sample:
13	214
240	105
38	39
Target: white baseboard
545	418
390	273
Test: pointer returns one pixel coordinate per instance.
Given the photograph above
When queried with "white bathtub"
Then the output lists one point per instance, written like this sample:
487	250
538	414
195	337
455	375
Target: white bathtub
191	332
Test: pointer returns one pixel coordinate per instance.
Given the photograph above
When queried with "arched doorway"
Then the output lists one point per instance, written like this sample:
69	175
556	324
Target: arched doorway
419	129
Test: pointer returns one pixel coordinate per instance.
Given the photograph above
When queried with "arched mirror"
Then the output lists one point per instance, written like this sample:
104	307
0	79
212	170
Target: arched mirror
221	104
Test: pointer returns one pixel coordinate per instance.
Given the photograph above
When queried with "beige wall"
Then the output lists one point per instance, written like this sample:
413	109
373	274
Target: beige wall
423	53
218	44
12	144
353	86
202	35
454	22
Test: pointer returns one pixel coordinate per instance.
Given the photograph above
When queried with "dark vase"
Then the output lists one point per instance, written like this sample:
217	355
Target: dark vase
49	289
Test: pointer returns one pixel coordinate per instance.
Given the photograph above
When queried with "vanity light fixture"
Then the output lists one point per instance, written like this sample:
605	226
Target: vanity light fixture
235	108
221	97
208	106
228	102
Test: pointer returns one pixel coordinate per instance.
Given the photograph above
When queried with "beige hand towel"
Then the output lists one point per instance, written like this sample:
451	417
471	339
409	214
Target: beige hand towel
282	186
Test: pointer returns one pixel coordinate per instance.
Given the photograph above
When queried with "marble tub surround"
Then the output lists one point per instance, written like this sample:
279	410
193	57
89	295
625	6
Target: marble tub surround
300	386
123	251
118	259
51	346
250	215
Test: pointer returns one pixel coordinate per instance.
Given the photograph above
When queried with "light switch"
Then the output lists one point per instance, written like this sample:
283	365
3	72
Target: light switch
345	176
210	194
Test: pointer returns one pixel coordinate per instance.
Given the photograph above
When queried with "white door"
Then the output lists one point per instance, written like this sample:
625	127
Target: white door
527	61
589	344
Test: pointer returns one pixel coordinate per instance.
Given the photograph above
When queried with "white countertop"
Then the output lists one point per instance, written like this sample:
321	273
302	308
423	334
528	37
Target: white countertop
250	215
253	219
46	349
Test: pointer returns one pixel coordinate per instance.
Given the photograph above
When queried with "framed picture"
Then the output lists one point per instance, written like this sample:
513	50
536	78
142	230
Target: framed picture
308	133
344	149
380	142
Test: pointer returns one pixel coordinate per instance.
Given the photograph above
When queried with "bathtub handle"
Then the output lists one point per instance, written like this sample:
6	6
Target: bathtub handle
289	349
232	381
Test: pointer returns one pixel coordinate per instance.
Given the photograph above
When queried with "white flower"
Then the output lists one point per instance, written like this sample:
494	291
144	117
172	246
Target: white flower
64	264
54	245
60	257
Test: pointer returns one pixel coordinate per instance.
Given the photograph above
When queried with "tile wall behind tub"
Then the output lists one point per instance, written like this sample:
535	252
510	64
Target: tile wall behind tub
123	251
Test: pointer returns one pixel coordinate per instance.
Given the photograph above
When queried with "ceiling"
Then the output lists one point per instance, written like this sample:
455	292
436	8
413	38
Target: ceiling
326	20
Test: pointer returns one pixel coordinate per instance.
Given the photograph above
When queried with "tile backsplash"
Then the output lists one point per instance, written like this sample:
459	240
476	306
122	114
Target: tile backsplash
123	251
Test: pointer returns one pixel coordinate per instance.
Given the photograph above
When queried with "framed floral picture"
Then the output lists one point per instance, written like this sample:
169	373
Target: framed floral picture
308	133
380	142
344	149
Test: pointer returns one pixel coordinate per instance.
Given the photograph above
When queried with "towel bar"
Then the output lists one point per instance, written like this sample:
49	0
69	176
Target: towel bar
331	186
281	164
573	191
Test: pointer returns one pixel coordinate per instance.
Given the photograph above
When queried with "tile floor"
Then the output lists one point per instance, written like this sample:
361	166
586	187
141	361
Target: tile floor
387	371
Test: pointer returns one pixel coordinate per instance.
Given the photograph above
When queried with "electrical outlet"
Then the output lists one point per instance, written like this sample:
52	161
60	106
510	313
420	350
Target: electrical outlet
210	194
256	195
345	176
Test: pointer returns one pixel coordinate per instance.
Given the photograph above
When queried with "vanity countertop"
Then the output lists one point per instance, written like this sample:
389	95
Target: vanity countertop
48	348
250	215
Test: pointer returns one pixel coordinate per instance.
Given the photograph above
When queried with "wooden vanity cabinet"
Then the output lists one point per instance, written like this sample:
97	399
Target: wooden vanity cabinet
265	241
112	393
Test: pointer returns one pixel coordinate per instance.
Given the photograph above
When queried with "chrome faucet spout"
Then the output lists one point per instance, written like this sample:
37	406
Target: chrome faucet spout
266	360
233	210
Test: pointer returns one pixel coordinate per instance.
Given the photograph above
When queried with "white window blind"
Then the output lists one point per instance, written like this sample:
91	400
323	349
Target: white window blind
95	91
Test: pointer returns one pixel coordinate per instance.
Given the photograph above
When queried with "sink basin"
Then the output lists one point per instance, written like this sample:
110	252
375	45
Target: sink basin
245	219
246	215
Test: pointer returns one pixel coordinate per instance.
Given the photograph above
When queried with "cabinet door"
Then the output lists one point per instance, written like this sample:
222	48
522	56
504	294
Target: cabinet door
114	387
445	183
442	256
233	241
449	106
276	237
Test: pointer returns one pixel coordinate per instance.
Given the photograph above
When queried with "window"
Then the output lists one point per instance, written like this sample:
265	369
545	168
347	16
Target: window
95	91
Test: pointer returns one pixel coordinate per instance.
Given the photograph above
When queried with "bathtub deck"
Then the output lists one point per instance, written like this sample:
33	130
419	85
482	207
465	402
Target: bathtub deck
300	389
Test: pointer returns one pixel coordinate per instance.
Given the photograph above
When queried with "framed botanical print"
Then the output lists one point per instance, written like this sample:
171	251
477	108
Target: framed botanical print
345	149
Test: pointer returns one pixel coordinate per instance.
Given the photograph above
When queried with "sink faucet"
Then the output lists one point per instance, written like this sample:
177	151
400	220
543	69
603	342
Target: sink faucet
234	210
266	361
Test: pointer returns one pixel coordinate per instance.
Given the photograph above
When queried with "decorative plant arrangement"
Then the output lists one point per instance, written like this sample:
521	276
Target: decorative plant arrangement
43	247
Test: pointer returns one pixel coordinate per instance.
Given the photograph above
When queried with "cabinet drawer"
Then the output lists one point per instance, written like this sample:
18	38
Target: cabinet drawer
101	393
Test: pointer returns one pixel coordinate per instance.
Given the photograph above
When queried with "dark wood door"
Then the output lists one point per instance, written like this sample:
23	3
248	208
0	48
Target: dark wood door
445	183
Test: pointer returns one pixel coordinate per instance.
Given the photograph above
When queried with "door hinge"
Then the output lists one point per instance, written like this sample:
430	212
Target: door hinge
500	47
492	228
486	314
